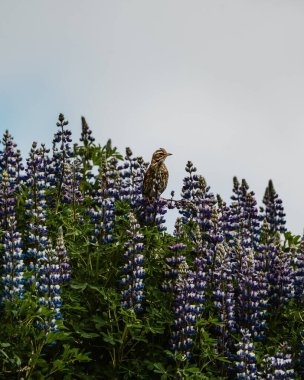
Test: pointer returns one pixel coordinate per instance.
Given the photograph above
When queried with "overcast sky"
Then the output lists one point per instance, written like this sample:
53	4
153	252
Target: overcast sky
220	83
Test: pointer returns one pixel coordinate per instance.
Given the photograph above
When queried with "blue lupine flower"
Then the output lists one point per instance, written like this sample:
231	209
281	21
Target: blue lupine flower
48	286
62	154
7	199
199	271
71	186
174	260
198	200
86	133
274	210
222	287
188	296
210	242
102	212
11	160
279	366
252	297
298	264
223	291
10	178
11	259
12	268
224	215
276	264
215	233
86	151
243	217
35	207
185	311
63	258
132	172
153	212
245	363
133	271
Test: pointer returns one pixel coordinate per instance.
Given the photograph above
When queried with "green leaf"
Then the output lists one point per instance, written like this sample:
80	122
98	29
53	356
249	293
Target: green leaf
5	344
88	335
159	368
54	336
79	286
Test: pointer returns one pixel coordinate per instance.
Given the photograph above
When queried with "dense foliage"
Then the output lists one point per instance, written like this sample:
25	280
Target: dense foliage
93	287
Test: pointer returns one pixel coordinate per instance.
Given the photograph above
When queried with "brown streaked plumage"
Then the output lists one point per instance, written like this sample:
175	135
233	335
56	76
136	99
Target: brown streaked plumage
156	176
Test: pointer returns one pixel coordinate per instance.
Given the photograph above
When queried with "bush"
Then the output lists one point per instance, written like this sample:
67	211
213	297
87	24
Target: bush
93	287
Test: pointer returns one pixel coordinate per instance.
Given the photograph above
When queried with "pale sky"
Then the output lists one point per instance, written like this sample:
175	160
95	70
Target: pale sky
220	83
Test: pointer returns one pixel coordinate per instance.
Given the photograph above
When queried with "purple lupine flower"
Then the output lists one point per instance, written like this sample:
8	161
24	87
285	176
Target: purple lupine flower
251	297
174	259
185	311
188	296
209	244
224	293
154	212
12	270
204	201
235	207
276	267
251	215
85	150
279	366
11	258
133	271
245	363
71	186
215	234
10	178
132	172
46	164
86	133
274	210
198	201
244	218
10	159
224	215
62	154
48	286
113	179
298	264
63	258
35	207
224	297
301	356
102	213
190	186
7	199
199	271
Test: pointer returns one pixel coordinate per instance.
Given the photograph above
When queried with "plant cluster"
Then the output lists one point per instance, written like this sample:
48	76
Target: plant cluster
93	287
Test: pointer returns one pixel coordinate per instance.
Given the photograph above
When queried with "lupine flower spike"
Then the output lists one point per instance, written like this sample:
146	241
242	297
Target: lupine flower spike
133	271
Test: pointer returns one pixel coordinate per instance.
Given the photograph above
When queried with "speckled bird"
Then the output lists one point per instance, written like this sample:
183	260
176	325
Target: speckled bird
156	176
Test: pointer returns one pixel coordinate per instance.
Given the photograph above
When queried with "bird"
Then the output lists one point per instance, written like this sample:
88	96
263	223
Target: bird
156	176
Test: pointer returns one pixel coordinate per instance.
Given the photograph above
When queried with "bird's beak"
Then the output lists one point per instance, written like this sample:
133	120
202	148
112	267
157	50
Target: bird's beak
169	154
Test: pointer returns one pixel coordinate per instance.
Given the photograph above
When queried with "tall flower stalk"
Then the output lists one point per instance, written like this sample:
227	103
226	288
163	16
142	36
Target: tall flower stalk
48	285
104	199
133	271
11	261
12	268
274	210
62	154
35	186
245	364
